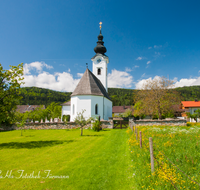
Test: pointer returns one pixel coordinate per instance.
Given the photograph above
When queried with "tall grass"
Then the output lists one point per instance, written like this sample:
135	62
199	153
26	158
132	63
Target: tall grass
177	157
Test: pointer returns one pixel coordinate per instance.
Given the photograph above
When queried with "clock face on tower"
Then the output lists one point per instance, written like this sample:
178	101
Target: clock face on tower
98	60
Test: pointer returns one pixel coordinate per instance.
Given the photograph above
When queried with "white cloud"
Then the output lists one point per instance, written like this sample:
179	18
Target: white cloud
142	82
65	81
58	81
119	79
136	66
159	46
38	66
47	66
148	62
79	74
69	70
127	69
139	58
180	83
187	82
149	47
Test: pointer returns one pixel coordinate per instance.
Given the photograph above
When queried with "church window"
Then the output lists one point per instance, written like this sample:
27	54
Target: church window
73	109
99	71
96	109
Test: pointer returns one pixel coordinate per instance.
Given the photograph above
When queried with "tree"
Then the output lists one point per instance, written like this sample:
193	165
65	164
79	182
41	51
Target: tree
156	97
81	120
10	81
96	125
139	109
128	112
54	110
195	115
21	119
38	114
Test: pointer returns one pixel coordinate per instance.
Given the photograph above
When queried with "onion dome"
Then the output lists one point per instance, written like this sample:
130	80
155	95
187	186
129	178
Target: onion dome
100	48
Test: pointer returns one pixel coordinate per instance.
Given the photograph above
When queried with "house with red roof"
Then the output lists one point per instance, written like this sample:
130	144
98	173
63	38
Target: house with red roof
117	110
190	106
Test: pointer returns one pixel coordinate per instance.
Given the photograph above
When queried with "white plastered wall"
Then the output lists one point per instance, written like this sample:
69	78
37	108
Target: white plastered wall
192	111
66	110
88	103
80	103
107	108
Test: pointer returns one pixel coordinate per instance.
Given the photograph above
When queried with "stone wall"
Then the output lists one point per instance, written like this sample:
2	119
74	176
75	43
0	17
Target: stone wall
54	125
105	124
165	122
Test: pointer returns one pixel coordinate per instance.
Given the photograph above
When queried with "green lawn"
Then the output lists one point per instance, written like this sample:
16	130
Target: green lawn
97	160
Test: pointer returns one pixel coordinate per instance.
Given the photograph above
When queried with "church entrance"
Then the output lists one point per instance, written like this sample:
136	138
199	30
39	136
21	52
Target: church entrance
120	122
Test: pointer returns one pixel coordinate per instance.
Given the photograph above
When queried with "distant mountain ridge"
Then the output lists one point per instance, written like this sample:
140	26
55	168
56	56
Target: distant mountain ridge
119	96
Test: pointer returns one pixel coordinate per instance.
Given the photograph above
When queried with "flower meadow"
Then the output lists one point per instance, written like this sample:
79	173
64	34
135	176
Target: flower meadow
176	152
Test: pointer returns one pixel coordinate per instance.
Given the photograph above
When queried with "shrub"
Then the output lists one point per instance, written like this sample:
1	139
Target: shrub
66	118
96	126
191	124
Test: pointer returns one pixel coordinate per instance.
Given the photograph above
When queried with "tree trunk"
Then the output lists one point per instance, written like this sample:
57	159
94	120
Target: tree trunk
159	113
81	131
21	131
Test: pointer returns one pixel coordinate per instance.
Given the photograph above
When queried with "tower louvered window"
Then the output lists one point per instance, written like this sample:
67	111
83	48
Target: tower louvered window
99	71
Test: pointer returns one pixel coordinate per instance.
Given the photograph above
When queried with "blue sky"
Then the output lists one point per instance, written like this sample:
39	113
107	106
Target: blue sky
144	39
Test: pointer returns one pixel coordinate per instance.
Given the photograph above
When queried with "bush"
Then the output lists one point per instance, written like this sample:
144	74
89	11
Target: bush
96	126
191	124
66	118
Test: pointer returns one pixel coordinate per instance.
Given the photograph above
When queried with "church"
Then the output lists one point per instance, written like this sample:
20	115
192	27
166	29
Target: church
91	93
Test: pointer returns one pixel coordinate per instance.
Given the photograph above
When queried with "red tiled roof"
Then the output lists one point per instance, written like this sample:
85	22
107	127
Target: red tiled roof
119	109
189	104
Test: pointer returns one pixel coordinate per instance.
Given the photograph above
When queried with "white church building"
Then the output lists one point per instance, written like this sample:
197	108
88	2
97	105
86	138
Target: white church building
91	92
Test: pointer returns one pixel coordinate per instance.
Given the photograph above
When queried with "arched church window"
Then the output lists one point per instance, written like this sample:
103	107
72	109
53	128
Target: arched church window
73	109
96	109
99	71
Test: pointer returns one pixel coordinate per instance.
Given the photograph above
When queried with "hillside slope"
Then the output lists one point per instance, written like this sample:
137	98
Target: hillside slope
119	96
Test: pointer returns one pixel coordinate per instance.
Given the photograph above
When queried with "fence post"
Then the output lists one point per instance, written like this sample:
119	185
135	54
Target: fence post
136	133
140	139
131	125
151	153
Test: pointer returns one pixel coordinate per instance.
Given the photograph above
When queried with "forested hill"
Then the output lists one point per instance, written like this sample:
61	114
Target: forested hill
42	96
119	96
189	93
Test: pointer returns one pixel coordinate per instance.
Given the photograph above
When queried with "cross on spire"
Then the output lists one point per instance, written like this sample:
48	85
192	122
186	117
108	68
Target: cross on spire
100	25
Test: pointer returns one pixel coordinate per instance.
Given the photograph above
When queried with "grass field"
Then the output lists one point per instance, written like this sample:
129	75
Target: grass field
96	160
176	157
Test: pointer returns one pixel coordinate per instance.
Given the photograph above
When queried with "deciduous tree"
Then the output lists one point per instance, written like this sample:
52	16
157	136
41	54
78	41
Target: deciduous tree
156	97
81	120
10	81
21	119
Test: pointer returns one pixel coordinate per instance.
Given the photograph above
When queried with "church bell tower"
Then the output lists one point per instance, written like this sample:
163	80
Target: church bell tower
100	61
